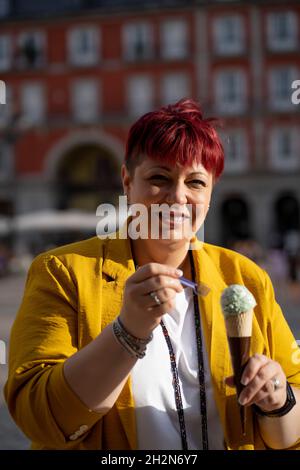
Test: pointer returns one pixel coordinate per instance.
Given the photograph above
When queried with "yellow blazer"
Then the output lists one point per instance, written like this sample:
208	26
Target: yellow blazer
73	292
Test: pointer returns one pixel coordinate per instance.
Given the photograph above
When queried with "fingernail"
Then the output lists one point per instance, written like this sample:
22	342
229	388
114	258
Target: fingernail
244	381
242	400
179	272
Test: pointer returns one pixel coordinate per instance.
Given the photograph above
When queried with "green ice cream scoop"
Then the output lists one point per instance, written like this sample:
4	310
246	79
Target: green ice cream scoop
236	299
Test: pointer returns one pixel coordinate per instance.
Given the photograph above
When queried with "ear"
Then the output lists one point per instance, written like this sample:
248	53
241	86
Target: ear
126	179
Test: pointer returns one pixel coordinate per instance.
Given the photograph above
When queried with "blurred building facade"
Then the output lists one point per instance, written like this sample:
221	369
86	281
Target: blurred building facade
78	73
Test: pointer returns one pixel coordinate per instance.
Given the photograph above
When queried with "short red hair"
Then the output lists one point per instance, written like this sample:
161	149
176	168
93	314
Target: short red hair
176	133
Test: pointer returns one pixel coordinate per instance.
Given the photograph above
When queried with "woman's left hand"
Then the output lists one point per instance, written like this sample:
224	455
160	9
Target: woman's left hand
259	378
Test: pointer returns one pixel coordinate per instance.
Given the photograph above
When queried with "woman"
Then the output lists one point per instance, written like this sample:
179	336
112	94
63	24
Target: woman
108	350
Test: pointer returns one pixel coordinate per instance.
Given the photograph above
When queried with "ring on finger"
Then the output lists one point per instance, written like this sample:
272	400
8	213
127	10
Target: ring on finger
155	297
276	383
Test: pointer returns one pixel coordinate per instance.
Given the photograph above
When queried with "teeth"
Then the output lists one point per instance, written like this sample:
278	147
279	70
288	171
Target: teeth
176	220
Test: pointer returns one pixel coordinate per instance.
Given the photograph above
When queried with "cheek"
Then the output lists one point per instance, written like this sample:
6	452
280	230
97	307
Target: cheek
200	208
151	193
201	200
145	194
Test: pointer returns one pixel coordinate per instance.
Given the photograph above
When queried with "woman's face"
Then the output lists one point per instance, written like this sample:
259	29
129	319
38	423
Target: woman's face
186	190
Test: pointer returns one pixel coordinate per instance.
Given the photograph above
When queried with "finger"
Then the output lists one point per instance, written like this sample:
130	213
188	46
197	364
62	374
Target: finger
159	297
162	309
267	397
165	294
153	269
261	381
252	367
157	283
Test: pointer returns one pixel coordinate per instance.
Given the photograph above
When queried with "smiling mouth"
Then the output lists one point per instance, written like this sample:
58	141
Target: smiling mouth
173	218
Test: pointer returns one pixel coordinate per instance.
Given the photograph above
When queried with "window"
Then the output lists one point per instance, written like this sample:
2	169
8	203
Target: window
230	91
31	49
5	52
4	8
280	87
33	102
85	100
5	161
229	35
138	41
2	93
282	31
236	150
174	39
140	95
284	148
174	87
83	46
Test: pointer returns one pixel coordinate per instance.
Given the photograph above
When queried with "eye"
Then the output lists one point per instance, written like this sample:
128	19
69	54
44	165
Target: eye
198	183
158	178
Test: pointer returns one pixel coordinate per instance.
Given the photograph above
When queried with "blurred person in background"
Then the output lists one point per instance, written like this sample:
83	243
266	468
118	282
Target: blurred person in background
291	246
110	351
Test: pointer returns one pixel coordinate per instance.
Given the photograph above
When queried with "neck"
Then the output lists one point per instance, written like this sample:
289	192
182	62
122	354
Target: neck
172	254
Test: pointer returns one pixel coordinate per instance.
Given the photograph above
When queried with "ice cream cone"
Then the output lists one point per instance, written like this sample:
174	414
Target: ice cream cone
237	305
239	325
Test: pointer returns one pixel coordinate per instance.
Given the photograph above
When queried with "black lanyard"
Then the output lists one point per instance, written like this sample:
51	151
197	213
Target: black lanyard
201	373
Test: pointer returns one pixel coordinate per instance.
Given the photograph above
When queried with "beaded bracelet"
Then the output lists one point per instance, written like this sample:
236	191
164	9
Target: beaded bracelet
132	338
135	346
133	352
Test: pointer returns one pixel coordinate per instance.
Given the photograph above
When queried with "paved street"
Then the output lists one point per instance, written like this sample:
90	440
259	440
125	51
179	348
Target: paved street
11	290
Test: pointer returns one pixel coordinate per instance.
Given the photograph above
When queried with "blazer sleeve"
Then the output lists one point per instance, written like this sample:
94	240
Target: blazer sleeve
43	336
283	345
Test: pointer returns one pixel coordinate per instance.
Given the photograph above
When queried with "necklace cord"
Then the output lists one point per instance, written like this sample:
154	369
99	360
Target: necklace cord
201	372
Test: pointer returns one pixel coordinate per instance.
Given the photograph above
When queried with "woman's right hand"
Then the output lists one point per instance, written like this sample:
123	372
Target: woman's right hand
140	313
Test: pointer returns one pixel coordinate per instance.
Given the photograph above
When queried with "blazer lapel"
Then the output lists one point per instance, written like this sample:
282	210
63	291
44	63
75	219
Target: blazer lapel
118	265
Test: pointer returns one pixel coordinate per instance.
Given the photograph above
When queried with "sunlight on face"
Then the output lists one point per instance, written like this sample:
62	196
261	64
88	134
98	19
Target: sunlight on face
186	189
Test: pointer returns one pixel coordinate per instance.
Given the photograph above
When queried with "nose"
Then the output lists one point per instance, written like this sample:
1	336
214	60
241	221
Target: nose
177	193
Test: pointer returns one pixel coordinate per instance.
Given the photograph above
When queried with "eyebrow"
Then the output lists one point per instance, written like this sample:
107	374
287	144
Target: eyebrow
161	167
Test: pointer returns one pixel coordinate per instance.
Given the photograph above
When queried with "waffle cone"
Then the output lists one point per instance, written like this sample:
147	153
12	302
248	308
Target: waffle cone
239	325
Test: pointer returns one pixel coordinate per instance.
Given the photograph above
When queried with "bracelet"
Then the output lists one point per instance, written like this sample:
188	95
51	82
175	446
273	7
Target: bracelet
289	404
135	346
134	338
133	353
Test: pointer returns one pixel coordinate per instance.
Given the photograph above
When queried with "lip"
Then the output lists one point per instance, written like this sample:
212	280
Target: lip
174	220
171	215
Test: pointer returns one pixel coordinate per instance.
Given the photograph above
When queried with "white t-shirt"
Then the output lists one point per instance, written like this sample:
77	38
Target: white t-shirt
155	407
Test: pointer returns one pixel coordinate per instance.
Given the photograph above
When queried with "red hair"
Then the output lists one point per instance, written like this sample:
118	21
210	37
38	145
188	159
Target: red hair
176	133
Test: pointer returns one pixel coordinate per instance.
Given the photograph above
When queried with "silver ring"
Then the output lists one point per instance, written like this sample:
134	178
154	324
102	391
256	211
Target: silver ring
276	383
155	297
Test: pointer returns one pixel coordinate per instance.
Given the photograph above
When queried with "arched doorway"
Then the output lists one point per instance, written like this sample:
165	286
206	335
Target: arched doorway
287	214
87	175
235	220
6	208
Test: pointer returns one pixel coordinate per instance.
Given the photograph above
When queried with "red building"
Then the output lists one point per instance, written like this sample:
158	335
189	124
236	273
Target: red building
76	78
